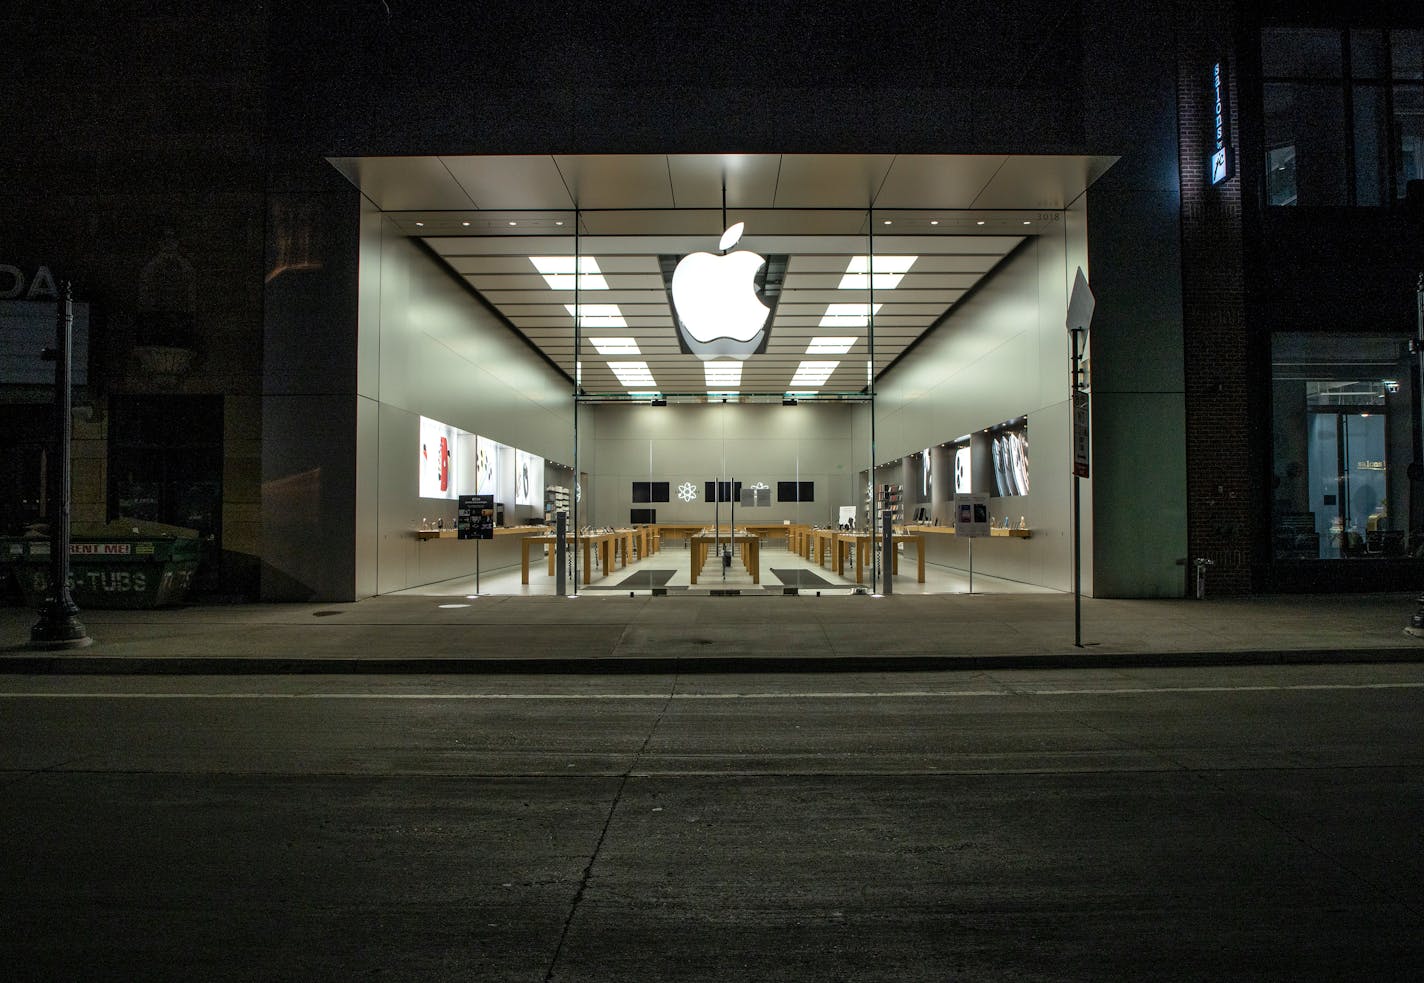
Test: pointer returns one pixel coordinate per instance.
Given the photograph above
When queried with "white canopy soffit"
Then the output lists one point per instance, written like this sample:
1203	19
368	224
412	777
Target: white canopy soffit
812	216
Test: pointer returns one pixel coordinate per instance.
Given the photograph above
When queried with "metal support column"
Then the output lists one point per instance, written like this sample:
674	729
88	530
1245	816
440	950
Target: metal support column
59	626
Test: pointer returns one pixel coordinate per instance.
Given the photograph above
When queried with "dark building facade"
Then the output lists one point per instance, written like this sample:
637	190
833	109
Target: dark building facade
1255	402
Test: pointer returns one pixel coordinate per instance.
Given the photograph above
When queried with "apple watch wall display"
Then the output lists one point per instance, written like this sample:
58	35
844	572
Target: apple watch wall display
528	478
486	465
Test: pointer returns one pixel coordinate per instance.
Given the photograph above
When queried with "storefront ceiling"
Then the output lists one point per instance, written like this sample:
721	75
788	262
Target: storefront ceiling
959	215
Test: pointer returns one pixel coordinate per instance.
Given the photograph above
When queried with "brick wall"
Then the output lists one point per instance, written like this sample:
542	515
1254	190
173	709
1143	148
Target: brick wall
1222	523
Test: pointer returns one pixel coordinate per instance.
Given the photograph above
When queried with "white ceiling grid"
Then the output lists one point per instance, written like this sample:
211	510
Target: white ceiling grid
487	217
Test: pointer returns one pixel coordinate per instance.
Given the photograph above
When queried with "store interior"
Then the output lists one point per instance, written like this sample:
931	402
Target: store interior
870	334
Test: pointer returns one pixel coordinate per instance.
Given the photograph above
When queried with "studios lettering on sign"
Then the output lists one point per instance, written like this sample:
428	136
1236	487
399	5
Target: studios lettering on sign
1223	163
16	284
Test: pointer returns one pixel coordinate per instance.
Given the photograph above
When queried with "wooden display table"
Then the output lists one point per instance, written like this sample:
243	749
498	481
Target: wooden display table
607	543
821	543
452	533
862	543
680	530
648	542
770	530
751	550
996	532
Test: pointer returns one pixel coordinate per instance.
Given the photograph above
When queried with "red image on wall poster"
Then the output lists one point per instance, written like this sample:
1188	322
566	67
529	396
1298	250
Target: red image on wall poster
444	464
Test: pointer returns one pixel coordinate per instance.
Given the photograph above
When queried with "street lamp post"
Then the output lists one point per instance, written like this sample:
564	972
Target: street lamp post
59	627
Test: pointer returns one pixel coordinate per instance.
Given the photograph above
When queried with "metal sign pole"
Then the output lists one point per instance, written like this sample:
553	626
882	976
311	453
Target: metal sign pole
477	568
1080	314
58	626
971	564
1077	515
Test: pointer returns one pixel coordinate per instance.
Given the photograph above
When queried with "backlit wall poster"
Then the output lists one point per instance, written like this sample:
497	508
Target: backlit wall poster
528	479
963	472
437	459
1010	451
486	467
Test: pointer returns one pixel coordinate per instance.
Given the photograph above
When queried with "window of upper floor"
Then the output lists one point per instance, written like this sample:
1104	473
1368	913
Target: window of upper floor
1343	114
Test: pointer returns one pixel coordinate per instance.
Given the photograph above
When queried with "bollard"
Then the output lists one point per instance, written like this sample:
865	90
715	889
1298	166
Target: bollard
1415	628
1201	564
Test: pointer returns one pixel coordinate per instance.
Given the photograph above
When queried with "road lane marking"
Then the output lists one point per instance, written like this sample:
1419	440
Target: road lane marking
809	695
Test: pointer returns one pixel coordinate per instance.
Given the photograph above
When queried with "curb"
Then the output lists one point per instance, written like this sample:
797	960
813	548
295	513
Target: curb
90	665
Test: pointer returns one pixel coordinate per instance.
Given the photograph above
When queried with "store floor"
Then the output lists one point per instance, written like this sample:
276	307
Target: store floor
671	568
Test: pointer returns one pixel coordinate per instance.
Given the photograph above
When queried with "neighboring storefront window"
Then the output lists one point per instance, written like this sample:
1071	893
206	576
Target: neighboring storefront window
165	465
1344	436
1343	114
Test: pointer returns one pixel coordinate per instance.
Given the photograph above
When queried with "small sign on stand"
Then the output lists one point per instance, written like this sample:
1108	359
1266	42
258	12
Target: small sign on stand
474	519
971	519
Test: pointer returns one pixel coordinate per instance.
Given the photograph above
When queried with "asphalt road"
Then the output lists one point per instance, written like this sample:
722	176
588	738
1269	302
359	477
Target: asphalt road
1257	823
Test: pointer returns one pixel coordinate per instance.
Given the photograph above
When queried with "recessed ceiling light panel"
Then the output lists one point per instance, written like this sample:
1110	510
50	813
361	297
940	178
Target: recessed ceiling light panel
848	315
558	272
615	346
812	374
889	270
722	373
633	374
598	315
821	345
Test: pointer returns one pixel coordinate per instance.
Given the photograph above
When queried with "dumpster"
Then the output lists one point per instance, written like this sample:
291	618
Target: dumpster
108	571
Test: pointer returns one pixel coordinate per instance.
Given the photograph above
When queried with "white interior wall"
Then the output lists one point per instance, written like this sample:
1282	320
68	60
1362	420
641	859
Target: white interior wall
700	442
1001	354
430	348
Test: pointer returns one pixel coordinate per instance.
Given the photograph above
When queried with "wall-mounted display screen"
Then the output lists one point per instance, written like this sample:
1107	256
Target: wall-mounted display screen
651	491
795	491
528	478
724	491
437	459
639	517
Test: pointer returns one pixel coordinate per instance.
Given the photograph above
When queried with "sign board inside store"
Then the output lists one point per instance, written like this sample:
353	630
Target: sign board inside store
971	514
474	517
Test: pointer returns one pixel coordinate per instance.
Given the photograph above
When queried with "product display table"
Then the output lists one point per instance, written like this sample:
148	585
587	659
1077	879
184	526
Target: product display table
770	530
798	539
706	539
648	543
862	543
683	530
998	532
452	533
607	548
820	545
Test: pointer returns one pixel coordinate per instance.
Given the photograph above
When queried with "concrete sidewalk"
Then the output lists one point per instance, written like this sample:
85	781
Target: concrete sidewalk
722	634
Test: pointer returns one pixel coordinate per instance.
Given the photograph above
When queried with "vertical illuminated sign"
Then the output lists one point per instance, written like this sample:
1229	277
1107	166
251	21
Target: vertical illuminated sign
1222	164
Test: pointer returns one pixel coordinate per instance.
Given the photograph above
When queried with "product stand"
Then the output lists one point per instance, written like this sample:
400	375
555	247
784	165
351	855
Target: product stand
561	553
887	522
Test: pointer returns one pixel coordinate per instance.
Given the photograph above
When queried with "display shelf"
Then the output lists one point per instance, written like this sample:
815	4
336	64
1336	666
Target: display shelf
996	533
892	497
427	534
556	500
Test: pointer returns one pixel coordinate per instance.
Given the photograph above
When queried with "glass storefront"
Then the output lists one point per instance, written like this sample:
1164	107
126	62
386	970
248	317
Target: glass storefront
1345	412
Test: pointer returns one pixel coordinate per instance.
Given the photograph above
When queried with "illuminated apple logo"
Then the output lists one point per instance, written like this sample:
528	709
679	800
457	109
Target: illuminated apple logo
719	314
